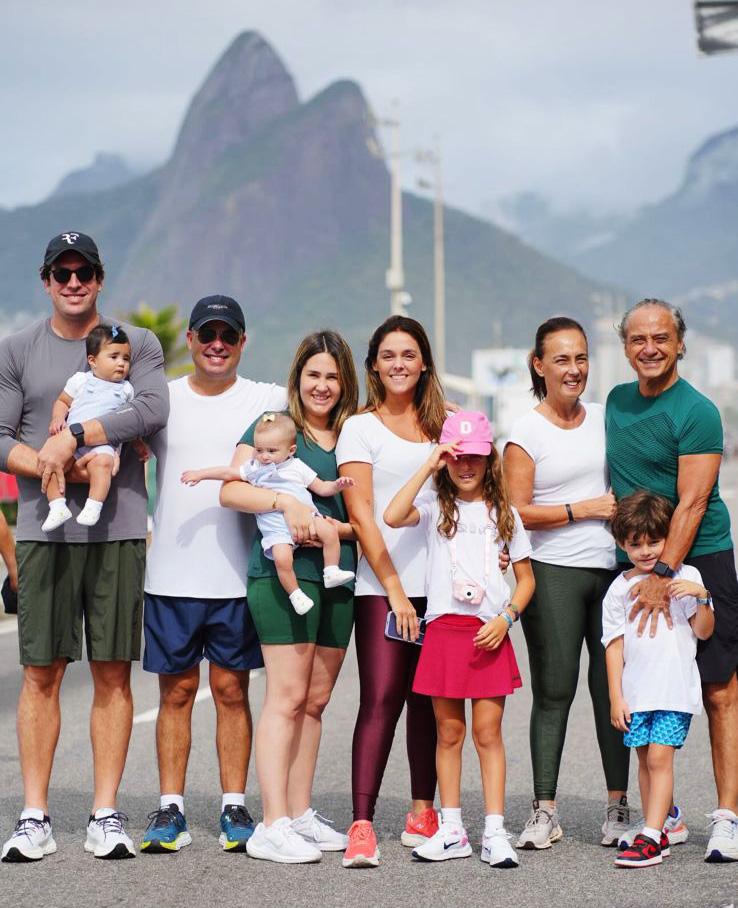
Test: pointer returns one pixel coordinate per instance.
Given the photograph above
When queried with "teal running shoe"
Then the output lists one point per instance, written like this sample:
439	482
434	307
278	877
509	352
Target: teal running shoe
237	827
167	831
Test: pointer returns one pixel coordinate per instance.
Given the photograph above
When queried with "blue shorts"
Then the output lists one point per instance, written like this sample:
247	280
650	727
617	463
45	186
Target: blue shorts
658	726
180	631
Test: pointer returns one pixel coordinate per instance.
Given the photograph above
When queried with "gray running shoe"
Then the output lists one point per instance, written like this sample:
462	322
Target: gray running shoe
541	830
617	822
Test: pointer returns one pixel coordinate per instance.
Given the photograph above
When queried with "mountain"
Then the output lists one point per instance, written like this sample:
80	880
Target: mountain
283	204
105	172
686	246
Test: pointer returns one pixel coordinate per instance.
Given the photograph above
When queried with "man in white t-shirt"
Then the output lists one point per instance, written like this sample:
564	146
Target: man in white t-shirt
195	590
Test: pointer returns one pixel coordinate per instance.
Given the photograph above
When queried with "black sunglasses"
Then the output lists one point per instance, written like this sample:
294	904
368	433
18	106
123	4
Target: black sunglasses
64	275
228	336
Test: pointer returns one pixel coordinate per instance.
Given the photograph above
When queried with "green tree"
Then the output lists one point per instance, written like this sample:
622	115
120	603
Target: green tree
168	326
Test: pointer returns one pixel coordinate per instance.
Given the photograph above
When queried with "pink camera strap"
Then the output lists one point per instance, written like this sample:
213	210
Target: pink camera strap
488	531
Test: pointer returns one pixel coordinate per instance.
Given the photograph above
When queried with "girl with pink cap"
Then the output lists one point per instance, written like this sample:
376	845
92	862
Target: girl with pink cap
466	652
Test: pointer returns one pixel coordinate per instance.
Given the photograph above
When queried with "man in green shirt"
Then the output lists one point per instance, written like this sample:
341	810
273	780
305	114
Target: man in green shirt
664	436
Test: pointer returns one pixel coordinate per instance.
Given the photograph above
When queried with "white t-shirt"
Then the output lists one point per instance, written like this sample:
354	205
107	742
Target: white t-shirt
469	543
93	397
365	439
200	549
570	465
659	672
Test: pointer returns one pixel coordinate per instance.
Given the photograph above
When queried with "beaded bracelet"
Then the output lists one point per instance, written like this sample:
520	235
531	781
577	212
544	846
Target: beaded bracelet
508	619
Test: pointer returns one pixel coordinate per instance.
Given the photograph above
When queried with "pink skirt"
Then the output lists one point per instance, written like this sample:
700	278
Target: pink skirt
451	666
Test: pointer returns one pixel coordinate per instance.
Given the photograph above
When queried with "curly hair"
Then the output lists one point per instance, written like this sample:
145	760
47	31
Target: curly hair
494	494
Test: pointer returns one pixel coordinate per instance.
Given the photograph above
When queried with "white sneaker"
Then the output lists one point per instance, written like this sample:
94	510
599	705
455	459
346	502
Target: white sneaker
56	517
334	576
107	839
497	850
542	829
450	841
280	843
301	602
318	831
723	844
31	841
90	513
617	822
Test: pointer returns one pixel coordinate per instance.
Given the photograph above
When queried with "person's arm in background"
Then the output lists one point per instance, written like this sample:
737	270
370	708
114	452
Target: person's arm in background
146	414
520	472
7	551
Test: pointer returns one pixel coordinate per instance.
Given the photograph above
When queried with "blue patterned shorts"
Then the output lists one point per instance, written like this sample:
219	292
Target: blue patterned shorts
658	726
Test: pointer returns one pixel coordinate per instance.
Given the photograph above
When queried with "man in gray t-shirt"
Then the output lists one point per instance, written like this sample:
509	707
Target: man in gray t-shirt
75	574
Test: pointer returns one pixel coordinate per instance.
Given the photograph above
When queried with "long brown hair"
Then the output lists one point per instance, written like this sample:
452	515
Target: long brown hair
494	494
332	343
428	399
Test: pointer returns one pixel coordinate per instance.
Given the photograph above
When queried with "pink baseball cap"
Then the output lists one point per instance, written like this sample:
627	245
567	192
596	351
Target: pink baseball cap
470	429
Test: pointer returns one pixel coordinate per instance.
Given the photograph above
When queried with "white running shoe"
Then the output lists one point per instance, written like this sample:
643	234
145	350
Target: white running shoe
280	843
450	841
333	576
107	839
319	831
542	829
723	844
497	850
31	841
56	517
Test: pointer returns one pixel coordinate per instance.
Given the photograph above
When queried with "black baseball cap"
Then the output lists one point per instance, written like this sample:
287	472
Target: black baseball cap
217	309
72	241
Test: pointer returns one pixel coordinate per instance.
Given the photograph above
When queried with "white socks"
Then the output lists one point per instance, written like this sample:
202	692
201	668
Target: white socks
301	603
334	576
32	813
493	822
59	513
166	800
235	798
104	812
90	513
451	815
653	834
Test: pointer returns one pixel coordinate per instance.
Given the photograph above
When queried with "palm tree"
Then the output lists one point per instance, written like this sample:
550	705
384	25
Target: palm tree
168	326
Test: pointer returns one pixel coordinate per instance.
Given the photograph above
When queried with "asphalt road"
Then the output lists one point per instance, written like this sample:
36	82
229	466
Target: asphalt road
575	872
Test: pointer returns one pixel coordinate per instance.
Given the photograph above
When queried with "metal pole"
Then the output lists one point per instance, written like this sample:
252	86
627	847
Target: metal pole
439	270
395	275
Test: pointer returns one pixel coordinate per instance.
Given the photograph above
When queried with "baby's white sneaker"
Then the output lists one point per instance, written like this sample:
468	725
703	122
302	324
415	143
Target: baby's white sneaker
301	603
334	576
59	513
90	513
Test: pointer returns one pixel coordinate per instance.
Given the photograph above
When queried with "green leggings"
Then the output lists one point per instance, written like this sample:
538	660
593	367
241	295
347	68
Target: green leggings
566	611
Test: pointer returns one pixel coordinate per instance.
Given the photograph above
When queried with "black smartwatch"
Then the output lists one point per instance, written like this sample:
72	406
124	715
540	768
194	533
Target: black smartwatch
78	431
662	569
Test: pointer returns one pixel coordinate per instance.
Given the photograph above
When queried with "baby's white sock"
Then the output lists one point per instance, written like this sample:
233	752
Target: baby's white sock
59	513
333	576
301	603
90	513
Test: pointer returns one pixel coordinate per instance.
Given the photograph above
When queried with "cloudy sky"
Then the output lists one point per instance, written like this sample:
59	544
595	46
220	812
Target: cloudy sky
593	103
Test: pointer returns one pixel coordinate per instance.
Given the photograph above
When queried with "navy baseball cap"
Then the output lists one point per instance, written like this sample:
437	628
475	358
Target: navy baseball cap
217	309
72	241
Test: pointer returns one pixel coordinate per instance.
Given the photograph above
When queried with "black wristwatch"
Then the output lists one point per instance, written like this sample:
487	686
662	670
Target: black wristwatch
78	431
662	569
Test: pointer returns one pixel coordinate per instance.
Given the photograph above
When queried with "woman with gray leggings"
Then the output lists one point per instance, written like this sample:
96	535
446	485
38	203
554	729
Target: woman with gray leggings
556	471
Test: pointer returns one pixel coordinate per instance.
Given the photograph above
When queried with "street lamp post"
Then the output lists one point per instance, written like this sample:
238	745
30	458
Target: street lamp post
439	262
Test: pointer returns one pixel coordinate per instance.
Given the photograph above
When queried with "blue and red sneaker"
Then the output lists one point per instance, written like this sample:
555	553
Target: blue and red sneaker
644	852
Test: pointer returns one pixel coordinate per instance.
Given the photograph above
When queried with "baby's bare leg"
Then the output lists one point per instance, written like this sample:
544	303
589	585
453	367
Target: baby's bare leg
100	471
328	535
52	488
282	555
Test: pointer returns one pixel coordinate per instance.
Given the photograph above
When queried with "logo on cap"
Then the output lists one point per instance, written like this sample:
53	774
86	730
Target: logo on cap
71	238
217	306
465	427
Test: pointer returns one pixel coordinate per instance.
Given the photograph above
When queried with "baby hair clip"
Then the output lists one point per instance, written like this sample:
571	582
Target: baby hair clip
269	417
114	331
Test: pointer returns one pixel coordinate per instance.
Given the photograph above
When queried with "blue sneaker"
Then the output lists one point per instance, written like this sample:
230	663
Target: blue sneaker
237	827
167	831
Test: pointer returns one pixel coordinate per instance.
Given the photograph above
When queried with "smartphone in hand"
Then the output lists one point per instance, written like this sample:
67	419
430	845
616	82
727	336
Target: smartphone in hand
391	632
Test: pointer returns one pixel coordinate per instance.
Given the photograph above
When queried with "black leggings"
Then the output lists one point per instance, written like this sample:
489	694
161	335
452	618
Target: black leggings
565	612
386	672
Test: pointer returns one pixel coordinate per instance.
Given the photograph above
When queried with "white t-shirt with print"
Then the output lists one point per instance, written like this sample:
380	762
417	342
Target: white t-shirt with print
200	549
659	672
365	439
570	465
476	525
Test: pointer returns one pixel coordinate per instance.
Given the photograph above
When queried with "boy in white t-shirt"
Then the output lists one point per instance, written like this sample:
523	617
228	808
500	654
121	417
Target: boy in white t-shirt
275	467
654	681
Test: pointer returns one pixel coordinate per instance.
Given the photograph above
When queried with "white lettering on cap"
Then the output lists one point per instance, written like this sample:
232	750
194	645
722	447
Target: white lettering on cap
216	306
465	427
71	238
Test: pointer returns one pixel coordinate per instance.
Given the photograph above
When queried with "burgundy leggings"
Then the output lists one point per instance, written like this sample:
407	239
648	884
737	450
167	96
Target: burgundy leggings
386	672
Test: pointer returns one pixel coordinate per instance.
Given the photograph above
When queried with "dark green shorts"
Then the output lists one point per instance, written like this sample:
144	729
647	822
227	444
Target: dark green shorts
328	623
60	583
